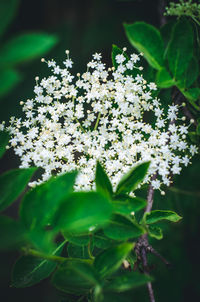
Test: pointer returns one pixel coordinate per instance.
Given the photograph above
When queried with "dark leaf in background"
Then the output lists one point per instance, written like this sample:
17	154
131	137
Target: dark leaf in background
9	78
8	10
127	281
12	184
26	47
75	276
29	270
12	233
4	138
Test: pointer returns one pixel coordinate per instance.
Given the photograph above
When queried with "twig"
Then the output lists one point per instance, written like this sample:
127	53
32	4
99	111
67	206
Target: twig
161	10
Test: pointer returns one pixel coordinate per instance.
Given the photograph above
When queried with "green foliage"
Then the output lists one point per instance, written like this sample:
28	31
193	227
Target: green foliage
103	183
159	215
180	50
81	211
147	39
29	270
127	281
9	78
124	204
25	47
108	261
12	184
40	204
4	138
122	228
117	51
163	79
12	233
155	232
132	179
75	276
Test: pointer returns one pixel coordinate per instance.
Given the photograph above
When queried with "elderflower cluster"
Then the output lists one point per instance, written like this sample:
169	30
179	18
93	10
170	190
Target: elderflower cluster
103	114
184	8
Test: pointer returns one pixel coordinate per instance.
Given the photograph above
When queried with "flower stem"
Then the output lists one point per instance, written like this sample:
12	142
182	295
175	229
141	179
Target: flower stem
97	121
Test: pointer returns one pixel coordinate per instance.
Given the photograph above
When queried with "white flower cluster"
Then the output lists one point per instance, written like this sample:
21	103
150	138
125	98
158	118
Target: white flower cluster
100	115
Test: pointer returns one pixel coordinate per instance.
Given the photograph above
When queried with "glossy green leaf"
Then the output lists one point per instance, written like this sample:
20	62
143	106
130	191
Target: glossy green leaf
4	138
159	215
190	75
122	228
7	12
166	33
83	210
75	276
77	251
124	204
147	39
163	79
12	233
132	179
127	281
9	78
40	204
103	183
180	50
25	47
12	184
155	232
30	270
108	261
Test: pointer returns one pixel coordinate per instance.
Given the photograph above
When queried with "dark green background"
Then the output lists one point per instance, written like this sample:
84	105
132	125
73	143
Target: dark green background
85	27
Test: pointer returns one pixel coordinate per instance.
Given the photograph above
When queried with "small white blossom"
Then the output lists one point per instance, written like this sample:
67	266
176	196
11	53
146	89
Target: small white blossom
73	122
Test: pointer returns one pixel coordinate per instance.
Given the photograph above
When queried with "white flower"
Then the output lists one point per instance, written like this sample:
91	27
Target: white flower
71	122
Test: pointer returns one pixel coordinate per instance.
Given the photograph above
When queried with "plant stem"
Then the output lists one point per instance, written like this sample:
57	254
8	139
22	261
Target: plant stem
38	254
97	122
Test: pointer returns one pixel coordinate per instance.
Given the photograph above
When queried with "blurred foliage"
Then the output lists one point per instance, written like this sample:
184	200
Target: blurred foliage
86	27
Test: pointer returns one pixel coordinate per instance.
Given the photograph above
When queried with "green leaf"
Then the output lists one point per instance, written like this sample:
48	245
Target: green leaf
30	270
81	239
132	179
155	232
147	39
75	276
198	128
192	95
100	240
190	75
159	215
83	210
166	33
163	79
77	251
118	51
9	78
25	47
124	204
12	184
41	203
180	50
12	233
127	281
108	261
122	228
4	138
103	183
7	12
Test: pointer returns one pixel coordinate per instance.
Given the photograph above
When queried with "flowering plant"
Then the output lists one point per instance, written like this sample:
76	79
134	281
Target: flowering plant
90	145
